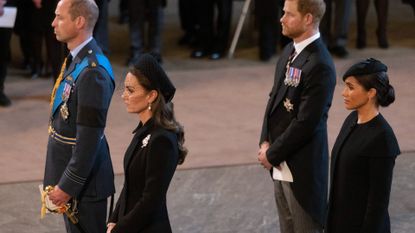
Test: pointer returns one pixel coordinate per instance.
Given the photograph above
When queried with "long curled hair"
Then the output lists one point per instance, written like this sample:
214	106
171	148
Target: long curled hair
163	113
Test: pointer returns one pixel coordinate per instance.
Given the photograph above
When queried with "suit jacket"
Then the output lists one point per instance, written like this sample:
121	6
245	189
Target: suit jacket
299	136
361	173
83	170
149	164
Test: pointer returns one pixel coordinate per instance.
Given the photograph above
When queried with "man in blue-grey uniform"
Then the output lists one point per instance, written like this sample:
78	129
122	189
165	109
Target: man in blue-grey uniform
78	162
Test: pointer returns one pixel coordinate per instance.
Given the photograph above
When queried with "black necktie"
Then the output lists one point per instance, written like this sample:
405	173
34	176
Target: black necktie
291	58
68	61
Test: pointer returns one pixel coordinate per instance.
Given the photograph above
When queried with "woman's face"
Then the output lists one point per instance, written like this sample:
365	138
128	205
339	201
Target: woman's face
354	94
135	97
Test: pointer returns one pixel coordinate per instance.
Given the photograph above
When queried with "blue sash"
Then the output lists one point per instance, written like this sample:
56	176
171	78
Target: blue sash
71	78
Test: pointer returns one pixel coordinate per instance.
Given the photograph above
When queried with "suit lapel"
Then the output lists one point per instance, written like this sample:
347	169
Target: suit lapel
299	62
279	79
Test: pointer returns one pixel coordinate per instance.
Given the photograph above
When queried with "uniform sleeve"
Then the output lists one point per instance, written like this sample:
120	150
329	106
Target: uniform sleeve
94	92
161	164
315	101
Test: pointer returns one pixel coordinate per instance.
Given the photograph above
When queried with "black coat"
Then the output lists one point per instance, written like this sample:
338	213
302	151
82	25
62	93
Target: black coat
149	167
362	164
299	137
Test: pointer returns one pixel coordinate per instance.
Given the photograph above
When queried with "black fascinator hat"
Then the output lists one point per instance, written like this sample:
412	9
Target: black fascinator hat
368	66
149	67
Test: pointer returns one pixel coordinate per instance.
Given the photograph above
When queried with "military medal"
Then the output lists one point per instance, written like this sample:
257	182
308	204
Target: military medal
292	77
64	111
66	92
65	96
288	105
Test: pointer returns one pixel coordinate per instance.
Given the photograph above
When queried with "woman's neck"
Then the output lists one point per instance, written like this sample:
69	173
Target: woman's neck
144	117
366	113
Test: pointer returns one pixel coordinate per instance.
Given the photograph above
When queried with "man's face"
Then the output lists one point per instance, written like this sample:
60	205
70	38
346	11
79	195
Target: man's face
293	23
64	27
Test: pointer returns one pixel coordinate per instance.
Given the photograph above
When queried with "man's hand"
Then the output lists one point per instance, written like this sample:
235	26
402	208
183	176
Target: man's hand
2	3
262	156
110	226
59	197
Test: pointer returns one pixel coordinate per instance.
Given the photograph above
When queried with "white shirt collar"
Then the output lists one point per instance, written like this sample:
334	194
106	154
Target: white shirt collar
76	50
299	47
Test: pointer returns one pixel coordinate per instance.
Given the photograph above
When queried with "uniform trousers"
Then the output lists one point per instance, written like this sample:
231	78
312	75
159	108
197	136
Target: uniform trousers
293	218
92	217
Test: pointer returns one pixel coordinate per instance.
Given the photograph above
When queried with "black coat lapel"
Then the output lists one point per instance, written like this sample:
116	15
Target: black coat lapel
139	133
345	131
299	62
279	77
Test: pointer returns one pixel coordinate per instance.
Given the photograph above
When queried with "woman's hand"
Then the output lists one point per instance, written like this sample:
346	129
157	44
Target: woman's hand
110	226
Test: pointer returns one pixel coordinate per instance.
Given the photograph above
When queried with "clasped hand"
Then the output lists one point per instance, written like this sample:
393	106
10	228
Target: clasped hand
59	197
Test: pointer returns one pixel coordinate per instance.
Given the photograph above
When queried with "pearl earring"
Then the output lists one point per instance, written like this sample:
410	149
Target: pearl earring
149	107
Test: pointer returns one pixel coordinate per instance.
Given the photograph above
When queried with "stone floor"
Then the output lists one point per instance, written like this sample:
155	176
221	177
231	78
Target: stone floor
219	188
228	199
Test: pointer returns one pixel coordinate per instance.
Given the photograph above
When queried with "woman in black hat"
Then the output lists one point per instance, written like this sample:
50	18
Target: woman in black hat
364	154
155	150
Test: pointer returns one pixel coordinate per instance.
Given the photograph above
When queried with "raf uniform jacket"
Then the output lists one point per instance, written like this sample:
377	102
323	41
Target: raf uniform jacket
299	136
362	162
84	169
149	165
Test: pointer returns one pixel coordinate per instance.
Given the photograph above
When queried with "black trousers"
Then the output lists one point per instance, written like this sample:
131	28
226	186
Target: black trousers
140	13
188	16
268	14
101	27
5	35
214	34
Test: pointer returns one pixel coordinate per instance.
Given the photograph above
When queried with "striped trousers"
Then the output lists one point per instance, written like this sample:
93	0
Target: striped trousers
293	218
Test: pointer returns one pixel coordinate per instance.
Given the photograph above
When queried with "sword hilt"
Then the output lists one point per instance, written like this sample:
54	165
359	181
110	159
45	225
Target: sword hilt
71	215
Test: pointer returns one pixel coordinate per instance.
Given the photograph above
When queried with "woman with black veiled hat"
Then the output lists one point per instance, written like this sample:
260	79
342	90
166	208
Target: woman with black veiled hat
155	150
364	154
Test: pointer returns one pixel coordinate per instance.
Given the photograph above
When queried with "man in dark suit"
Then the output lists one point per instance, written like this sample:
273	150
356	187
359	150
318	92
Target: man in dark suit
78	162
295	123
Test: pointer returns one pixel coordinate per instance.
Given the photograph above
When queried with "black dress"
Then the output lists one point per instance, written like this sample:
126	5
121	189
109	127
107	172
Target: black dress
362	164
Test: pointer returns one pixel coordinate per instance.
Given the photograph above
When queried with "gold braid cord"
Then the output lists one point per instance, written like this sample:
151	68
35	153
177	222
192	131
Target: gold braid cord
57	83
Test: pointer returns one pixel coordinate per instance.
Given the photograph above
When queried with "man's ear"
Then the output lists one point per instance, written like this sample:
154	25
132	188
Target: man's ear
309	19
80	22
